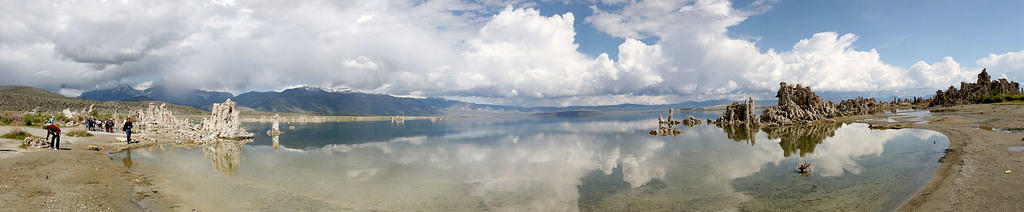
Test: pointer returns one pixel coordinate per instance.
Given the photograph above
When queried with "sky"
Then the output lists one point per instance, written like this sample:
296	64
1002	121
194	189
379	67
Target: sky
513	52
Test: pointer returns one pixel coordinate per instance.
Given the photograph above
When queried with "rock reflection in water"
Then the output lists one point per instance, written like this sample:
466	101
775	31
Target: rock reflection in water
276	143
741	133
225	156
801	138
792	138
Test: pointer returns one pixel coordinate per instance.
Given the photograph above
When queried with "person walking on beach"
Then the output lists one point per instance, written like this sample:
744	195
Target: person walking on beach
53	130
128	129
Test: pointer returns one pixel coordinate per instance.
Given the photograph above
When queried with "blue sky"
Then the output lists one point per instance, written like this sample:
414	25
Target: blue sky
903	31
514	52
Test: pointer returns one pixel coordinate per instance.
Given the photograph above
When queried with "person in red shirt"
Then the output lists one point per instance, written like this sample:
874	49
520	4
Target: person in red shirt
52	129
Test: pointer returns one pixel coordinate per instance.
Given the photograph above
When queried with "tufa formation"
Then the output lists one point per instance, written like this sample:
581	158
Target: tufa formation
972	93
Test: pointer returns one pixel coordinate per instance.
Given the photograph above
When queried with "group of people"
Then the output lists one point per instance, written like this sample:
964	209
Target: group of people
103	125
53	131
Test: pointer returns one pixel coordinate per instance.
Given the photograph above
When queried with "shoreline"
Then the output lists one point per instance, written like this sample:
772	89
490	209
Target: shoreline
970	176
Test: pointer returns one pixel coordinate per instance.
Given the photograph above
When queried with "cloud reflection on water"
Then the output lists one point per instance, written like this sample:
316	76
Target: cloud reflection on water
540	166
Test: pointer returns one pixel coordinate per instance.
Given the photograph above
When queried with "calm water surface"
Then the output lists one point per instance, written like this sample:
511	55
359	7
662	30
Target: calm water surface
605	163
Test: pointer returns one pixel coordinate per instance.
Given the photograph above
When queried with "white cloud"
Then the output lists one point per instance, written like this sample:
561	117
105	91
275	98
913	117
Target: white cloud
704	60
468	50
1010	64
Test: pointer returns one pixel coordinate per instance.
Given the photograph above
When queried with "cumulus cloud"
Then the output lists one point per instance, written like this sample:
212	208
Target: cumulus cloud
704	60
493	51
1010	64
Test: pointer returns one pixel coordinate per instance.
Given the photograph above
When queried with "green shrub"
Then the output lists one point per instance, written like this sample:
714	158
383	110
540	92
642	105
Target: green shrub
35	119
996	98
16	134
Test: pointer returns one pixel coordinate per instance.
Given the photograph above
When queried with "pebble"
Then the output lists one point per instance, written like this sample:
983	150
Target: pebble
1007	171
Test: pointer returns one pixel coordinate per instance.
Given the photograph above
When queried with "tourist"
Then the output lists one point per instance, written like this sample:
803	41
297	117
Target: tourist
89	123
128	129
53	130
110	125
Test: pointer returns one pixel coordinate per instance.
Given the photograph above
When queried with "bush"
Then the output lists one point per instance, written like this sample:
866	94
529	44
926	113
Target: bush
7	118
996	98
35	119
79	133
16	134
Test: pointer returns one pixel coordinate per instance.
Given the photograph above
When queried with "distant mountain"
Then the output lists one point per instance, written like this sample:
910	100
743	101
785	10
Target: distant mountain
119	92
194	97
334	102
348	102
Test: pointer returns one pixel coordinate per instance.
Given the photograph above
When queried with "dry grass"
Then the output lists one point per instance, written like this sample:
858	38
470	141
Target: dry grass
16	133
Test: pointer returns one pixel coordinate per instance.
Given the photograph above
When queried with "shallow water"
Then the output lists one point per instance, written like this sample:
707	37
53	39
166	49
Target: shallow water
548	164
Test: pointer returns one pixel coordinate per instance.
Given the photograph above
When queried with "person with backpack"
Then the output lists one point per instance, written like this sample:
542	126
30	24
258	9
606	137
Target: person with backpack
128	129
53	130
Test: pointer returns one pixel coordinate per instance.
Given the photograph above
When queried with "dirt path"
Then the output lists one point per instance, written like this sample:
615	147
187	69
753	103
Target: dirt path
71	179
972	176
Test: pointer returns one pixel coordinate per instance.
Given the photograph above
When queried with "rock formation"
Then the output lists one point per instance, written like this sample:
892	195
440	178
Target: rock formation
690	121
798	104
36	142
156	118
667	127
971	93
275	128
224	122
740	113
862	106
397	119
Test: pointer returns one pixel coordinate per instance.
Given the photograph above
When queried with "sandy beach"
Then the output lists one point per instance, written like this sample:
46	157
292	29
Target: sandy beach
73	178
972	176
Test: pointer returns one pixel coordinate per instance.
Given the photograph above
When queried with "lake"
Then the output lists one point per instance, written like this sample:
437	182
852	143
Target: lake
605	163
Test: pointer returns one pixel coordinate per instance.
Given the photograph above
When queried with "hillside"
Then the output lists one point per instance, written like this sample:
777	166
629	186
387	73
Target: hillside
23	98
192	97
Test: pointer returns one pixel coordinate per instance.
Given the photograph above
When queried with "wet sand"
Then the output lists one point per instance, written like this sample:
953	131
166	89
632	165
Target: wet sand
73	178
972	175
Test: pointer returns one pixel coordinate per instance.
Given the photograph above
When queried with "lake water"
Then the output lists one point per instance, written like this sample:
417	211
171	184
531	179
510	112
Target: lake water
605	163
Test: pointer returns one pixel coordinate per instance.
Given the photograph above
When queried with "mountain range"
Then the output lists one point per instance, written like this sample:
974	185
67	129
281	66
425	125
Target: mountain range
192	97
316	100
